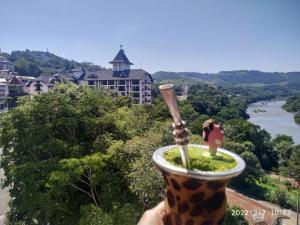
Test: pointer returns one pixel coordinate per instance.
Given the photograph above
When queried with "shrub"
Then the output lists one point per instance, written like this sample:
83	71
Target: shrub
231	218
92	215
279	197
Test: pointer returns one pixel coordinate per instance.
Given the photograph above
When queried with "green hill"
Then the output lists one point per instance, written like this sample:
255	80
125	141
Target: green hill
233	77
252	85
35	63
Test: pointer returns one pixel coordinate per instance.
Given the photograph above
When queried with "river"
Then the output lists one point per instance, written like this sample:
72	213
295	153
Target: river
270	116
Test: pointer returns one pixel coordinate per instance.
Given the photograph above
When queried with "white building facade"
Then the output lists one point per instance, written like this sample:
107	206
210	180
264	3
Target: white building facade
36	87
123	80
42	84
3	89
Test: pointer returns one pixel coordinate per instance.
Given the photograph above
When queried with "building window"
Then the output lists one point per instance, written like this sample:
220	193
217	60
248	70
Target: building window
104	82
136	95
110	82
91	82
121	88
121	82
135	82
135	88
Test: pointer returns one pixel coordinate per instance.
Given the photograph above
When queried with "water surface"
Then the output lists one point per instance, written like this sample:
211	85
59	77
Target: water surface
270	116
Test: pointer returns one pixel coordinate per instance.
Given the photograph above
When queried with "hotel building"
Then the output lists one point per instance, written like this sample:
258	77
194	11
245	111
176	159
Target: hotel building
122	79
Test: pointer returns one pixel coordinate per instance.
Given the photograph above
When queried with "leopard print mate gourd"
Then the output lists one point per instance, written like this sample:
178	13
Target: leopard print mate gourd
191	199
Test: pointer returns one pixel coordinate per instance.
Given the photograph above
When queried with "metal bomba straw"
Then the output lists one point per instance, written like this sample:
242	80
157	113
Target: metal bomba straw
180	131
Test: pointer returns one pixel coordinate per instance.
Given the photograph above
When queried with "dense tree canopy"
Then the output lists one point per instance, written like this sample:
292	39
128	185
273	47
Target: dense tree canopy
81	156
250	85
283	145
238	130
63	144
293	105
26	68
293	167
206	99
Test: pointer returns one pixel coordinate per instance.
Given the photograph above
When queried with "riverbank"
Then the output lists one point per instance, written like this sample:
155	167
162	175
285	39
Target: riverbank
270	116
293	105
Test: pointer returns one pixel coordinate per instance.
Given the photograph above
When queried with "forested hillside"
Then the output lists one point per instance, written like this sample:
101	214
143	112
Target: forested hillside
82	156
293	105
233	77
35	63
253	85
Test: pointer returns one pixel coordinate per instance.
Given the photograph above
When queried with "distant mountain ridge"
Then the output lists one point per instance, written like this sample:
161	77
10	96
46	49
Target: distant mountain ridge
35	63
233	77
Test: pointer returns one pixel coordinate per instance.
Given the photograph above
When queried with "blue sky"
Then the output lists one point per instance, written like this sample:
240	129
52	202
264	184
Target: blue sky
170	35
